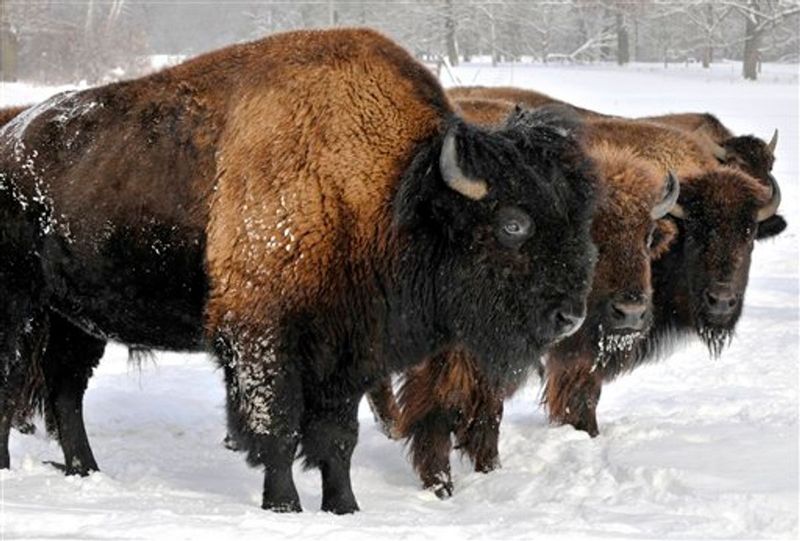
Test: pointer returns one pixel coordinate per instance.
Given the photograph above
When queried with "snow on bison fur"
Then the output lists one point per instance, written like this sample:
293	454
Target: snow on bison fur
309	208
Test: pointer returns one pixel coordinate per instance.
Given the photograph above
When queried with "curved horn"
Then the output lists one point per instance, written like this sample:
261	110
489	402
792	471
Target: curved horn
454	176
719	152
773	142
672	189
771	208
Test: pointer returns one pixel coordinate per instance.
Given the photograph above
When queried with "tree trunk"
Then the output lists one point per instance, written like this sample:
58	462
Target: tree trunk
493	37
623	47
708	50
8	47
752	41
450	34
333	17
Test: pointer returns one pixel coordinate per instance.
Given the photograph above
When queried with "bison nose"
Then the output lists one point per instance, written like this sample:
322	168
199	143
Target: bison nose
566	320
627	315
720	299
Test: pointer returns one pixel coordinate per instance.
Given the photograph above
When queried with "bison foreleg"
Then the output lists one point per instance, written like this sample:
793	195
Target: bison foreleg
572	393
264	404
479	439
430	447
330	434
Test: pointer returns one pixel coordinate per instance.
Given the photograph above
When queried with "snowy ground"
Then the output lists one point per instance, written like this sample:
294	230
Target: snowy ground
690	448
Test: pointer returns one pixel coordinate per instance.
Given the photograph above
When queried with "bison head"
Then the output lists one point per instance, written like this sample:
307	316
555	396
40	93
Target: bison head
720	216
752	155
634	199
503	217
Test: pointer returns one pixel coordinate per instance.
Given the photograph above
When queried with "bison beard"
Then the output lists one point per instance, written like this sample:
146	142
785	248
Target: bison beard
308	208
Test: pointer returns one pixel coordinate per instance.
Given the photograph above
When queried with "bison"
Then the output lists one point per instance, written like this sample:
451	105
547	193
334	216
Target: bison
450	393
530	99
746	152
7	114
752	155
307	207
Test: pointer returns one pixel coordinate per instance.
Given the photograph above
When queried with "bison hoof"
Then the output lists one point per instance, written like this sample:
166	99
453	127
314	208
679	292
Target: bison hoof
486	466
80	470
282	507
5	461
75	469
587	425
340	506
443	488
25	427
230	443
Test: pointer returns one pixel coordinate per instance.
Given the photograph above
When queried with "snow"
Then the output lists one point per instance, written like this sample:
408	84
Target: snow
689	447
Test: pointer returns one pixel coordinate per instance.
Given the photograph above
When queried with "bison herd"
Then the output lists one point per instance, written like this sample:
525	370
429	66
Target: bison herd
317	213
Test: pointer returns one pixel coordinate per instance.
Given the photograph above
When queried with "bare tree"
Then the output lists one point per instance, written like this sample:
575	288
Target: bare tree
760	16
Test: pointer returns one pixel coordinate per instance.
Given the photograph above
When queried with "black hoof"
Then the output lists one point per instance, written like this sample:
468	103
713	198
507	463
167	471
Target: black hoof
230	443
5	462
282	506
82	471
487	466
443	490
25	427
587	425
340	506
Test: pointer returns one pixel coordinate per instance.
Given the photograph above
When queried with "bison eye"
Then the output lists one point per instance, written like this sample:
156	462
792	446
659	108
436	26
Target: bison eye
513	226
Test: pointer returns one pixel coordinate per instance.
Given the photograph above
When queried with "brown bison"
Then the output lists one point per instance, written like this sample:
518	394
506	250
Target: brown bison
450	393
529	99
309	208
7	114
752	155
746	152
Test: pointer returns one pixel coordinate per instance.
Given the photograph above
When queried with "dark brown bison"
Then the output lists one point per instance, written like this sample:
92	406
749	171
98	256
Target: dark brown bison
449	393
309	208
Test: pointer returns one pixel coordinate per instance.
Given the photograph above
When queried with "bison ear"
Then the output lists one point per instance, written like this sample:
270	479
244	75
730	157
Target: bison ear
774	225
664	236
